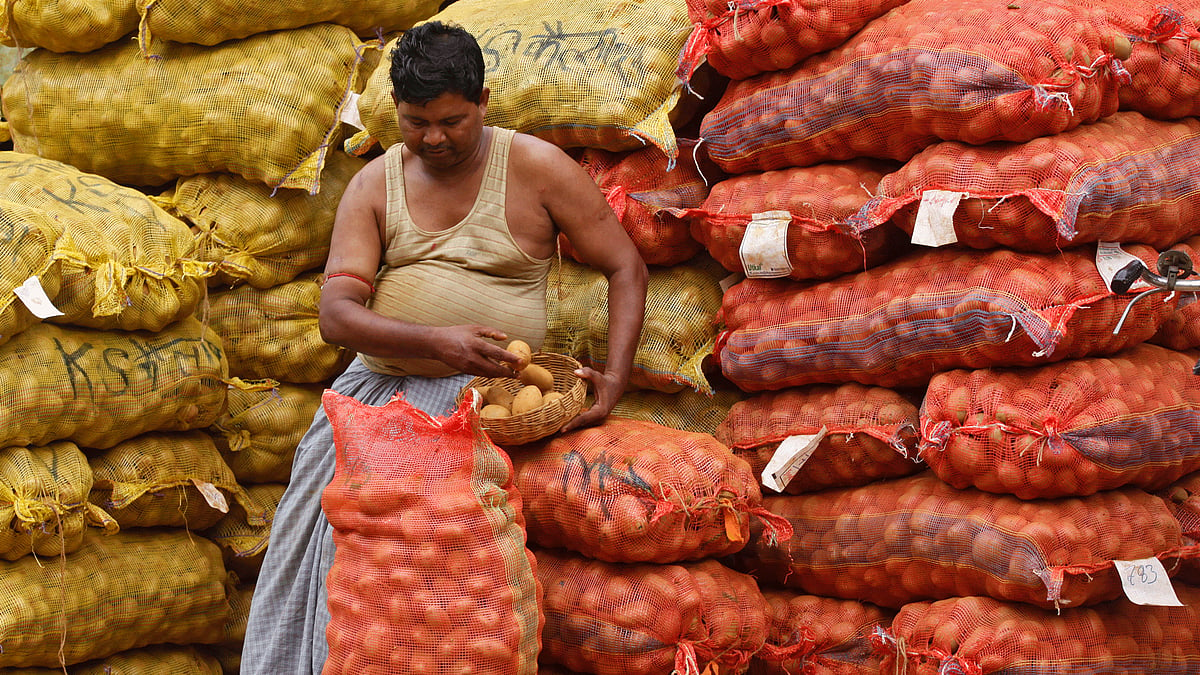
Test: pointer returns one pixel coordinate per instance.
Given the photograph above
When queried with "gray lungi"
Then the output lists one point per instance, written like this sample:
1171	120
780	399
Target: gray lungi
285	633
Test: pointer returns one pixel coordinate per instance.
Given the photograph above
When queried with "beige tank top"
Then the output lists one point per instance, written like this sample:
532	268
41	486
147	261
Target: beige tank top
471	273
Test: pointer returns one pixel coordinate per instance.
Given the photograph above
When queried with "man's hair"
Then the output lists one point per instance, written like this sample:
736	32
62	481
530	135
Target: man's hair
435	58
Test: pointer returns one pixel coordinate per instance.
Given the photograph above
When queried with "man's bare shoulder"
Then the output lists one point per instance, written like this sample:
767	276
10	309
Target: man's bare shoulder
369	184
532	154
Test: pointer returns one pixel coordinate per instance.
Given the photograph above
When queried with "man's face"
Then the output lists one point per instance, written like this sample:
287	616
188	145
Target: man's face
445	131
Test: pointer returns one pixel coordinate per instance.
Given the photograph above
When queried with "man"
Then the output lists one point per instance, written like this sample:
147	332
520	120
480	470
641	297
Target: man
464	219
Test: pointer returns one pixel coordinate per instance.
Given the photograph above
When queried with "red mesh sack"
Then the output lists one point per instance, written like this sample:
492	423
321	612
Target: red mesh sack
978	635
1183	499
1070	428
818	202
917	538
431	573
954	70
1123	178
1181	330
1164	60
641	186
811	635
630	619
898	324
745	38
861	433
630	491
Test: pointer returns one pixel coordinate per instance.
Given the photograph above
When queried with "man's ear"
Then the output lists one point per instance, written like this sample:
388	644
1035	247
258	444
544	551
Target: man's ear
483	98
395	100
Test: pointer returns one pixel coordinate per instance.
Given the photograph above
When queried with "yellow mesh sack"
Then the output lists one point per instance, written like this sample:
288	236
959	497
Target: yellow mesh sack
27	244
213	21
601	75
133	589
168	480
273	333
66	25
229	652
126	263
100	388
262	426
678	331
266	107
685	410
243	541
155	660
43	500
253	237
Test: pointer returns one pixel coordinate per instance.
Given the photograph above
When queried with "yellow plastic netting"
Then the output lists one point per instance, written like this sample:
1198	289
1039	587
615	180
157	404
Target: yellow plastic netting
262	426
256	238
27	243
208	23
601	75
155	660
100	388
243	542
66	25
126	263
685	410
170	480
43	500
677	334
266	108
136	588
274	333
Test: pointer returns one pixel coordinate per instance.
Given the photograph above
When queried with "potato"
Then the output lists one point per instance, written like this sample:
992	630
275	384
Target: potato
535	375
551	398
497	395
523	351
493	411
529	398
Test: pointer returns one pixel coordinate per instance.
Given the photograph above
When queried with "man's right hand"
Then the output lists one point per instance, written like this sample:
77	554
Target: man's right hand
468	349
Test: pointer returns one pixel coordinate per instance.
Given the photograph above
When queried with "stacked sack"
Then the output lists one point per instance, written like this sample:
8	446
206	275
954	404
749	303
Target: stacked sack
204	365
1033	145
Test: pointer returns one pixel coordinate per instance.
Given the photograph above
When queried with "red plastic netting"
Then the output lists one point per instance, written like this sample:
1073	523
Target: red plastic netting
973	636
1070	428
742	39
1164	63
929	70
898	324
822	242
1183	499
630	619
431	572
1181	330
917	538
1124	178
641	187
632	491
862	433
811	635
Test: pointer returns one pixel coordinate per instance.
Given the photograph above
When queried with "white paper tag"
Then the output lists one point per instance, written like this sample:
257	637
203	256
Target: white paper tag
350	112
1146	582
1110	259
212	495
788	459
935	218
764	246
36	301
731	281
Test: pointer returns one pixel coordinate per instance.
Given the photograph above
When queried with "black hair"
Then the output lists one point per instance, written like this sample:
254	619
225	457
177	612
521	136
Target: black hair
435	58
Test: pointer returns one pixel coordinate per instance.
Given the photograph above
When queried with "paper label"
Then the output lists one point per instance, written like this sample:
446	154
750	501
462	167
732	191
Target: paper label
935	218
764	246
789	458
1146	582
212	495
36	301
350	112
731	281
1110	258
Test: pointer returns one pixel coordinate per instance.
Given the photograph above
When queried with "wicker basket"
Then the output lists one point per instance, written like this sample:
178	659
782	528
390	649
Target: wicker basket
546	420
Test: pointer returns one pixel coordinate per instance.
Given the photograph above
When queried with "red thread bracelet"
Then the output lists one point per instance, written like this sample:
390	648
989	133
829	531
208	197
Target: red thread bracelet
352	276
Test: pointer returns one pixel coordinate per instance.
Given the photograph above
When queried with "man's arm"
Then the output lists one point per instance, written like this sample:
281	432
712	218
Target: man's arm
579	209
356	251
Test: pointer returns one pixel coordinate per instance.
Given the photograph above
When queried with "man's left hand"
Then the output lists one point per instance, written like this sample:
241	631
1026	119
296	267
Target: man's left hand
607	389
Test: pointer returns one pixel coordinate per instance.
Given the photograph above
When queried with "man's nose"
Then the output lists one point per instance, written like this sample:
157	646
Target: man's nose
434	135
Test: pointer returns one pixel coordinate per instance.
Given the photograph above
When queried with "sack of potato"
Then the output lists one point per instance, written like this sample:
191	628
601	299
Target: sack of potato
535	403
